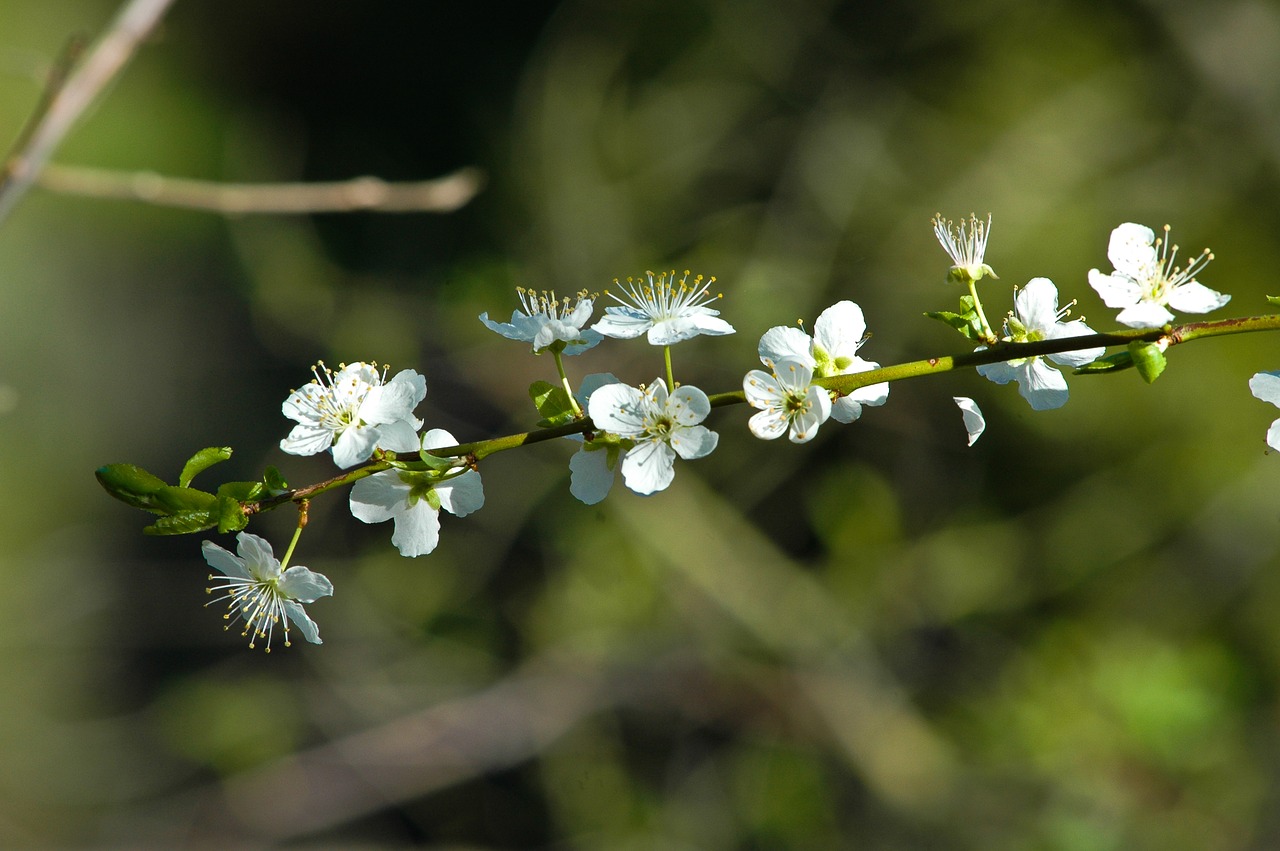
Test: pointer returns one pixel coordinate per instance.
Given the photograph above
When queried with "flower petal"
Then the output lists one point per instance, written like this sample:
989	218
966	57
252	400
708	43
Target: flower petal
840	329
688	405
694	442
783	341
379	497
1266	386
462	495
299	617
622	323
974	422
1042	385
417	529
307	440
1144	315
258	556
355	445
225	561
1115	290
769	424
590	478
305	585
649	467
1132	249
617	408
1195	297
399	436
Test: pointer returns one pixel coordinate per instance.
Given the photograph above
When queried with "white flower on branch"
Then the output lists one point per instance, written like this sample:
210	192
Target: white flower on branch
832	350
787	400
547	320
262	595
354	411
660	427
666	309
1147	280
413	500
1036	317
966	245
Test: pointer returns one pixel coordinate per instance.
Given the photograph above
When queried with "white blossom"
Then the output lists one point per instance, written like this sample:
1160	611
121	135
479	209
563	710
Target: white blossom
666	309
413	500
547	319
659	426
592	467
1147	280
788	401
832	350
354	411
1036	316
966	245
260	594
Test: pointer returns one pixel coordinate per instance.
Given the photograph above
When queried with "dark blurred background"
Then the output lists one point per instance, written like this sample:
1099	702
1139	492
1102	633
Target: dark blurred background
1063	638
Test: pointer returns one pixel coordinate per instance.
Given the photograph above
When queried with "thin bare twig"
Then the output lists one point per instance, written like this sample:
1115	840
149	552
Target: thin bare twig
441	195
69	97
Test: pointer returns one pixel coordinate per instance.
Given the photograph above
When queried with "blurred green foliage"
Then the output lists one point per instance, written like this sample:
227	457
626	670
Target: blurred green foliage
1064	638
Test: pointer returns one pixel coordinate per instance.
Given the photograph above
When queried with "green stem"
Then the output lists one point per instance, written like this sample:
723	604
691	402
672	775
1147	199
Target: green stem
845	384
988	334
666	355
564	382
297	533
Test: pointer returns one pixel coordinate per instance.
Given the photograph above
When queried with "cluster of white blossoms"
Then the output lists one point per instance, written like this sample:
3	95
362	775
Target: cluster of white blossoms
360	416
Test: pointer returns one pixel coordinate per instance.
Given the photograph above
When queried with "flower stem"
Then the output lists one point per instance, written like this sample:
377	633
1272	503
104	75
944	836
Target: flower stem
564	382
666	356
987	333
297	533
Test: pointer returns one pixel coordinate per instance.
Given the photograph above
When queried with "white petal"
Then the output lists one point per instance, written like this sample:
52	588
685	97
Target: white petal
225	561
846	409
355	445
1115	290
695	321
1079	357
305	585
840	329
688	406
510	331
590	478
1000	373
1195	297
298	616
617	408
695	442
784	341
1144	315
769	424
1037	305
592	383
307	440
462	495
1273	435
762	390
379	497
438	438
589	340
417	530
1132	249
257	555
974	422
394	400
805	426
400	436
1266	386
1042	385
622	323
649	467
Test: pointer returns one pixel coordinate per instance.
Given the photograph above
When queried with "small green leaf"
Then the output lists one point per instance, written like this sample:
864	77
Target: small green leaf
1149	359
438	462
241	491
175	500
231	516
552	402
183	523
966	322
132	485
274	482
1274	299
202	460
1112	363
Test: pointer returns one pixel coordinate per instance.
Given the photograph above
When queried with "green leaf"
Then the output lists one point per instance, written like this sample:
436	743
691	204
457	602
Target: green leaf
1149	359
183	523
552	402
231	516
274	482
438	462
132	485
175	500
1112	363
1274	299
966	322
203	460
241	491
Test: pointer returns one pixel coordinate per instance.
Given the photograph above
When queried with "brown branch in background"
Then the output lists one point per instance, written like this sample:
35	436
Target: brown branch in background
441	195
70	94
